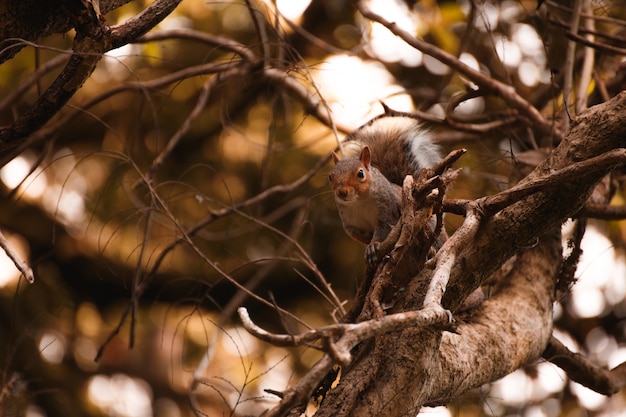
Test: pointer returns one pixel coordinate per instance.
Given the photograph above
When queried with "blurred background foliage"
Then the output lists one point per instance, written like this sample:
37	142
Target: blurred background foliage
112	260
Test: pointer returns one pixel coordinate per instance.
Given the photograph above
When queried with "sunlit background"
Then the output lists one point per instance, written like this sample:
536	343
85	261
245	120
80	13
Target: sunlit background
75	186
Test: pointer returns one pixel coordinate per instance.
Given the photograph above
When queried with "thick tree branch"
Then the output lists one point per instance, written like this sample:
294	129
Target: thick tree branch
499	336
604	212
138	25
601	163
583	371
92	40
90	43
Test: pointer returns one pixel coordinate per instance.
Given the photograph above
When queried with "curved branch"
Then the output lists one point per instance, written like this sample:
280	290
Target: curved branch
32	79
349	334
92	40
583	371
219	41
138	25
90	43
603	212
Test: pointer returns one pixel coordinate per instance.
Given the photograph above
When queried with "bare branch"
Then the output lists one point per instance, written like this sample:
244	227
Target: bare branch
348	334
312	104
568	66
90	43
92	40
447	256
143	86
216	40
22	266
138	25
201	102
32	79
588	62
601	163
583	371
595	132
603	212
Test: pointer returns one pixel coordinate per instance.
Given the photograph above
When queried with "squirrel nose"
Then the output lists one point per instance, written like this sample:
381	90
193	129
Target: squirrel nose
342	193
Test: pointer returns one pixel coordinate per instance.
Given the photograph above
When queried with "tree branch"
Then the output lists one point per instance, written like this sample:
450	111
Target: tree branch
22	266
583	371
90	43
138	25
92	40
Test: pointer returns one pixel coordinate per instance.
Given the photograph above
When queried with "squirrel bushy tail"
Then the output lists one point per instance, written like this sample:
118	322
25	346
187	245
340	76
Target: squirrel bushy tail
399	146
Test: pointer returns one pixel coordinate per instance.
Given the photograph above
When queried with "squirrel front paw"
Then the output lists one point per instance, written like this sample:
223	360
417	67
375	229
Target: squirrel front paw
371	253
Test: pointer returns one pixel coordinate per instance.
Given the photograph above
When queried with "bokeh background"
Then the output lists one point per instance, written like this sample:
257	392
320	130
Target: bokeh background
160	264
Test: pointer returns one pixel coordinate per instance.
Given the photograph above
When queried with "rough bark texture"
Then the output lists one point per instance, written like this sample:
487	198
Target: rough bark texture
93	38
397	374
30	20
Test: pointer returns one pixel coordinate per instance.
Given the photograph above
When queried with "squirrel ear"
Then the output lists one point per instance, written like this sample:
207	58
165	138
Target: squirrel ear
335	157
365	156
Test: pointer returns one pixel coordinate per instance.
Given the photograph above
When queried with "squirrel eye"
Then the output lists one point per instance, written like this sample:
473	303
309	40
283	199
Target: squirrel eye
360	174
330	178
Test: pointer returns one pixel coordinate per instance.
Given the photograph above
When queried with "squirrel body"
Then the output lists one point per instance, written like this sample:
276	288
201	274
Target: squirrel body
366	182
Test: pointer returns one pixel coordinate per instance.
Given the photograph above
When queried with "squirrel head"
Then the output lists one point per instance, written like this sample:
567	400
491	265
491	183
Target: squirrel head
351	177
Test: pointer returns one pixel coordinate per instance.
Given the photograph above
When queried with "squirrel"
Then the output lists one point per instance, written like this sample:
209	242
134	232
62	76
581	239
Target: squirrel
366	182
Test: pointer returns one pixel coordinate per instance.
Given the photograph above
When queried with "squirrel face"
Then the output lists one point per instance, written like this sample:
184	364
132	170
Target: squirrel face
351	178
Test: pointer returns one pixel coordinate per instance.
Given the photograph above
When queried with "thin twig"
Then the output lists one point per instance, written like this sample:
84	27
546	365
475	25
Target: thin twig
203	98
568	66
22	266
222	42
588	64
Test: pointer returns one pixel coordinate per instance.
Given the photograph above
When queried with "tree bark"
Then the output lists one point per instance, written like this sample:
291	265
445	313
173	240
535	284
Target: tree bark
93	38
31	20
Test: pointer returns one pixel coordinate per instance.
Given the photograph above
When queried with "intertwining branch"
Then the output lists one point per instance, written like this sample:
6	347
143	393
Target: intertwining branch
398	346
423	359
93	38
